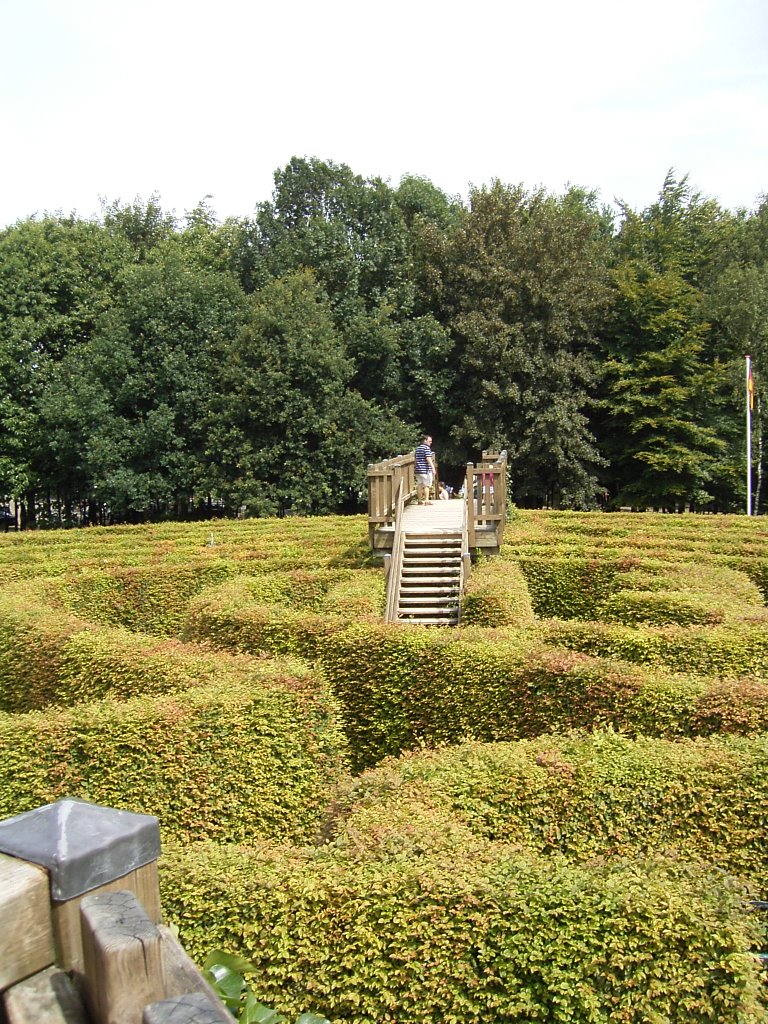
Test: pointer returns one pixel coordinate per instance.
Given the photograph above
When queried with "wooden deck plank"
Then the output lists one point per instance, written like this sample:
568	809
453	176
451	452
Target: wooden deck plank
440	515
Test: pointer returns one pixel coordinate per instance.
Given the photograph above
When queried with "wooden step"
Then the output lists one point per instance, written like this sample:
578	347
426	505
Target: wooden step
435	552
446	591
430	620
430	560
435	539
429	584
439	576
432	534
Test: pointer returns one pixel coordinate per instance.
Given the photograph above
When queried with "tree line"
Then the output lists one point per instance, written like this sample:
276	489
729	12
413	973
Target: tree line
152	367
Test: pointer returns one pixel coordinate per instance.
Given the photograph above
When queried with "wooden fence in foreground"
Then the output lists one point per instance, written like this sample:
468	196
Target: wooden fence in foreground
81	939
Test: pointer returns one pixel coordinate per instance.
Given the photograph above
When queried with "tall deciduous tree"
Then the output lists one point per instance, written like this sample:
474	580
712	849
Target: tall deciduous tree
57	278
290	430
127	413
519	285
670	419
737	306
353	233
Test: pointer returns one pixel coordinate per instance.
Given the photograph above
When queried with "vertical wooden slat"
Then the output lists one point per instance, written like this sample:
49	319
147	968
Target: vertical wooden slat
143	882
469	485
123	958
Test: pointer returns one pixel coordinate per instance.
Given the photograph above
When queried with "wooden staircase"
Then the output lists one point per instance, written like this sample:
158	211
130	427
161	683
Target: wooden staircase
429	582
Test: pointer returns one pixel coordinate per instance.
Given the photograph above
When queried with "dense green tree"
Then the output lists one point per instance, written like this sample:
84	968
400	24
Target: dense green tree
353	233
660	435
57	278
737	305
682	231
150	363
519	285
127	413
290	431
671	422
142	224
418	198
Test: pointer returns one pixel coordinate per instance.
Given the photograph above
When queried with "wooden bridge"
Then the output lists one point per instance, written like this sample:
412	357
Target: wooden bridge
428	548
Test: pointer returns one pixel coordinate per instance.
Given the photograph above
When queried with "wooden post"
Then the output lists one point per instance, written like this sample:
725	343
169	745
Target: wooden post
65	914
123	965
26	936
371	480
73	918
469	486
85	848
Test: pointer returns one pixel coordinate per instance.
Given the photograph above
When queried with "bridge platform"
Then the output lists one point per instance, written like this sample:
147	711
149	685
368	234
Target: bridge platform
434	518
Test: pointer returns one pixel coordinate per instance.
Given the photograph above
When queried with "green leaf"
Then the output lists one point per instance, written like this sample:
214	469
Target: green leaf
254	1012
218	958
228	985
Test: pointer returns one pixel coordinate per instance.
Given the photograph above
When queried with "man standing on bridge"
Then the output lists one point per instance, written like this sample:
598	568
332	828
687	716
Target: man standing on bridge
425	470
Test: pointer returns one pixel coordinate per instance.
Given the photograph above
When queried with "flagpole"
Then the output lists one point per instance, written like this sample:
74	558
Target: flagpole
749	438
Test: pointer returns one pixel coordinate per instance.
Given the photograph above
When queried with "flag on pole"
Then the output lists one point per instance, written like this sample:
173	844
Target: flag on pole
751	388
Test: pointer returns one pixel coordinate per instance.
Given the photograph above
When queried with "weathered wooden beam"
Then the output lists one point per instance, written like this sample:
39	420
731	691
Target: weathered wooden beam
48	997
192	1008
123	963
181	972
26	936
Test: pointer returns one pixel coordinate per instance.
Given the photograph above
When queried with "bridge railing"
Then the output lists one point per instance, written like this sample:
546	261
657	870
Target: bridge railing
387	480
485	498
396	562
486	495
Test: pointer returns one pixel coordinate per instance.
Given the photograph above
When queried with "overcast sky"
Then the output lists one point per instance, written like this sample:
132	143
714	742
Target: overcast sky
180	98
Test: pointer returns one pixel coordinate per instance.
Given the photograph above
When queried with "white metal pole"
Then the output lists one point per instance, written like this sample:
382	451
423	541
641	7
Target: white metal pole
749	441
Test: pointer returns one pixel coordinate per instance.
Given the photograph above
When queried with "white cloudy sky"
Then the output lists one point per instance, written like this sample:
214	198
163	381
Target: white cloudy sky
126	98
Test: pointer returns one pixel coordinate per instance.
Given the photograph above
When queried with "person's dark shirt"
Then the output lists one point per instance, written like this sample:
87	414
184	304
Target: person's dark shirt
423	454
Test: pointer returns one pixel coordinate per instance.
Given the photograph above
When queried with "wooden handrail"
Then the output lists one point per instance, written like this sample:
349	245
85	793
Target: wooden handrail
396	562
485	497
384	481
466	561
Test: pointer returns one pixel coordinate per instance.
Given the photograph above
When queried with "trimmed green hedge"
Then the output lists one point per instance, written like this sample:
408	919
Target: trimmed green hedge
253	754
256	545
634	591
400	686
48	654
496	594
50	657
33	641
461	930
149	600
718	651
284	612
585	796
403	687
567	588
475	883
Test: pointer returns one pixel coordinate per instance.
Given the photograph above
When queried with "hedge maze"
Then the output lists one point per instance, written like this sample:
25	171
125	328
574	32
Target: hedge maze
556	812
